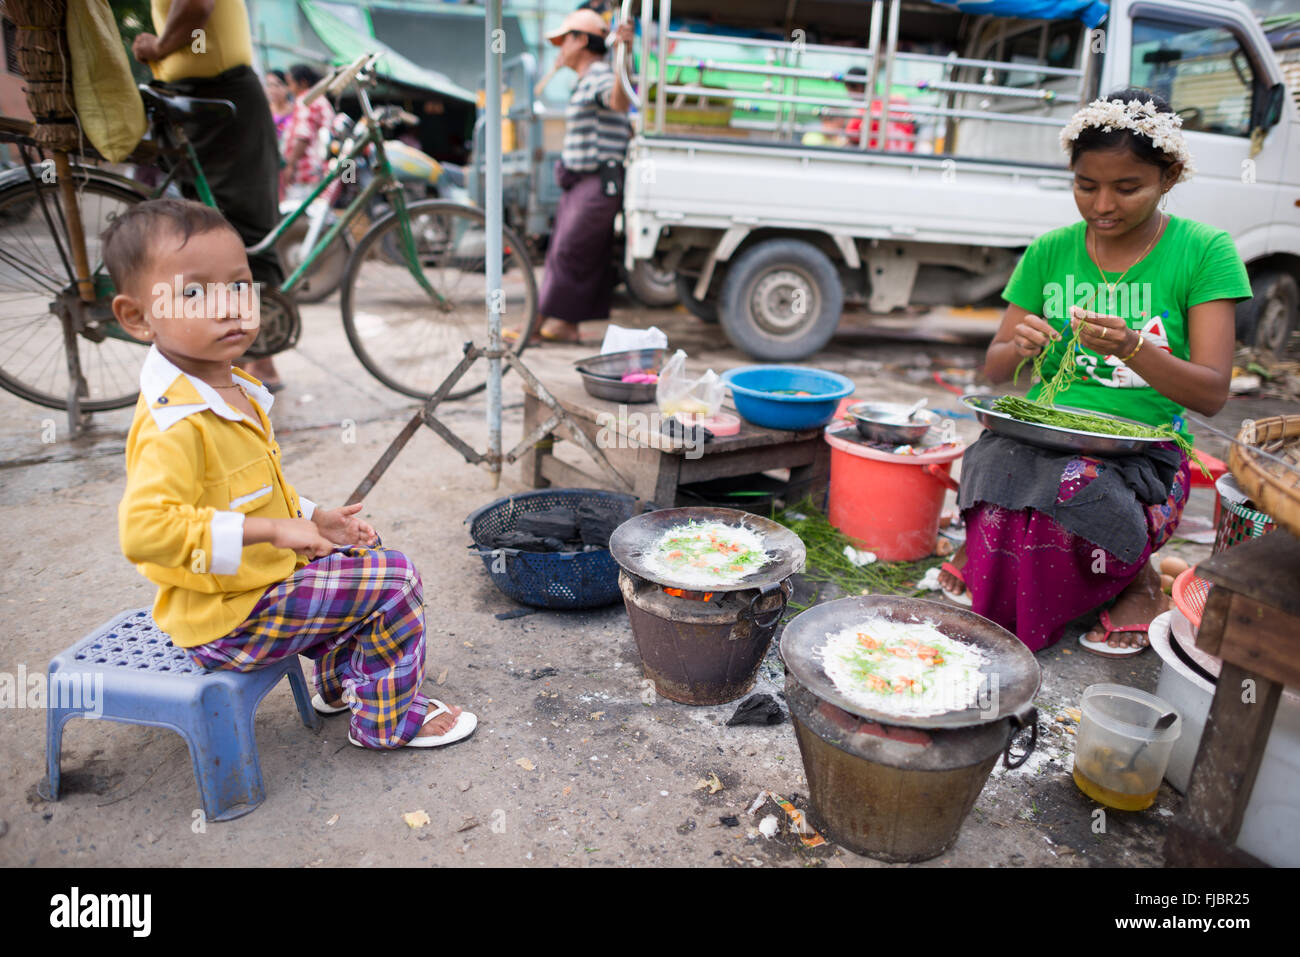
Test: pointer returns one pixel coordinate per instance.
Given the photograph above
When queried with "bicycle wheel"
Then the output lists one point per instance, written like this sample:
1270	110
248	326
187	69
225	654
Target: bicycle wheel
33	277
409	340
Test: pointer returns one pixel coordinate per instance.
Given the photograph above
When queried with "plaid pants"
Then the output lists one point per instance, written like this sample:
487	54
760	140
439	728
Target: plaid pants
359	615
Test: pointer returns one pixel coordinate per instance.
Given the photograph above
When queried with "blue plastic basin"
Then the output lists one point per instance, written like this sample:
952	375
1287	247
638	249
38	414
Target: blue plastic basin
754	388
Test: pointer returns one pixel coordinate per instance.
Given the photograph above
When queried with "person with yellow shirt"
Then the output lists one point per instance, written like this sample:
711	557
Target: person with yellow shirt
204	48
249	572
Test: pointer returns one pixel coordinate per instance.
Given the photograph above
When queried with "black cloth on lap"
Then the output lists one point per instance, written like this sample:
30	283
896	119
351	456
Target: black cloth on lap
1109	511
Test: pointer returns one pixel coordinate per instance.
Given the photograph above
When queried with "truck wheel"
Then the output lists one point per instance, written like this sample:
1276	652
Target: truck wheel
1268	319
652	286
703	309
781	300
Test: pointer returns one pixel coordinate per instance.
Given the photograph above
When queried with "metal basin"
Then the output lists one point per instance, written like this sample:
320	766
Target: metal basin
1055	437
602	375
888	422
633	541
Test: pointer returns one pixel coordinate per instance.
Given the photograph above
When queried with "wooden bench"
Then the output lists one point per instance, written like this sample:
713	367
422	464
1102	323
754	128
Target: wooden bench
655	466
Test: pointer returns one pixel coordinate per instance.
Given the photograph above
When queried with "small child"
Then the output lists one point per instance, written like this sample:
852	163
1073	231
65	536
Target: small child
249	573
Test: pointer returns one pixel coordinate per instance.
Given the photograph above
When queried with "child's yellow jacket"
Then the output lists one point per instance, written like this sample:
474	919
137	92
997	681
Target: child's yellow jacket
195	467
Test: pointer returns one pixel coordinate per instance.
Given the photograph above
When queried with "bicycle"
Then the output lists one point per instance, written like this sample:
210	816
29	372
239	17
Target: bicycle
412	294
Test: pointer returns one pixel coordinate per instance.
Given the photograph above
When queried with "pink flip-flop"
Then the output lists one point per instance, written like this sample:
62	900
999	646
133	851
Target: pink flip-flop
1103	650
963	598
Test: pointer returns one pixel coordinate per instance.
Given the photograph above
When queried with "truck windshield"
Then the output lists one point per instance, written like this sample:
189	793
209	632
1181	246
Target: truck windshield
1273	8
1202	72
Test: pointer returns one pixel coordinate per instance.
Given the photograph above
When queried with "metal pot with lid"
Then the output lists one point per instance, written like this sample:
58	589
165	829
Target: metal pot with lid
701	643
898	787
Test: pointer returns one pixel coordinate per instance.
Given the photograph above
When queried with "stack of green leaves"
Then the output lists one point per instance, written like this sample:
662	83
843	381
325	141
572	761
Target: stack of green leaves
829	566
1043	411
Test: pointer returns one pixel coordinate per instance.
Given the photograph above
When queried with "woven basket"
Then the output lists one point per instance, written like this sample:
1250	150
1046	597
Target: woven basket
1270	485
1237	520
43	59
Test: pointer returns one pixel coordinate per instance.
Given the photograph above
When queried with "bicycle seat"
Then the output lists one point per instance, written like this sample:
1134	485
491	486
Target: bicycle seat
178	109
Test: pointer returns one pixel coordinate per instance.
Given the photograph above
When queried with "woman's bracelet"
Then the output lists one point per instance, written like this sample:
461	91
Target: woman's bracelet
1126	358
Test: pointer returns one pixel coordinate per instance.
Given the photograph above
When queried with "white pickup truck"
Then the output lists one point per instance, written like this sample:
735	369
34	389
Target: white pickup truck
784	211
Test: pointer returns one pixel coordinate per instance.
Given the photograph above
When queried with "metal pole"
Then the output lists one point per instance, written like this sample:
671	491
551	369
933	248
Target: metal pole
661	90
873	68
891	48
493	52
643	77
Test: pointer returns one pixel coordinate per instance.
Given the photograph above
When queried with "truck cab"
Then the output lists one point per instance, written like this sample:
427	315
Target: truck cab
749	179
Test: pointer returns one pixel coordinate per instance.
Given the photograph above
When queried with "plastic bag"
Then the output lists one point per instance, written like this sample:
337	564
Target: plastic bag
619	339
108	103
680	395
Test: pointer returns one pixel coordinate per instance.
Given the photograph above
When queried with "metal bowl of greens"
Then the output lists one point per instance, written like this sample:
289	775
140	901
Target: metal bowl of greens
1061	438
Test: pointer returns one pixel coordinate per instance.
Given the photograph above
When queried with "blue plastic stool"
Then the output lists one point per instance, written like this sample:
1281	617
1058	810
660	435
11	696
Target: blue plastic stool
137	676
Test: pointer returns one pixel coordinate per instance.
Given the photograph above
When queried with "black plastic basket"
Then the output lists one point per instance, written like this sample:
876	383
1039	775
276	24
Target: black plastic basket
586	579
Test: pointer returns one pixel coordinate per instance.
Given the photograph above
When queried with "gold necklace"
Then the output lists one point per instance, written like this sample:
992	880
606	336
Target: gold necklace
1096	258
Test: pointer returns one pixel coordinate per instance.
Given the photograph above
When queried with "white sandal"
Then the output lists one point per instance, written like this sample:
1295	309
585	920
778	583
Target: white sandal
320	707
465	724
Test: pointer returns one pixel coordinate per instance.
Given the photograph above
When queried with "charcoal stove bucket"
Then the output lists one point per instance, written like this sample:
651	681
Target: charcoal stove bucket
702	652
697	651
899	788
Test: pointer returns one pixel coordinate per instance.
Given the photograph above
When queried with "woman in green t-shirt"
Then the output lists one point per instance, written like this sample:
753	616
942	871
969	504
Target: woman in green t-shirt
1052	536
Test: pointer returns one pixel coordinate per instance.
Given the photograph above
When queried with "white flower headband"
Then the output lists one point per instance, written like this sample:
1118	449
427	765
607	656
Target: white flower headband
1164	130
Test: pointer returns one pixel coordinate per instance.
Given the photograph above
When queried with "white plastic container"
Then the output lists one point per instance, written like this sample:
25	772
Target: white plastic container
1120	754
1271	827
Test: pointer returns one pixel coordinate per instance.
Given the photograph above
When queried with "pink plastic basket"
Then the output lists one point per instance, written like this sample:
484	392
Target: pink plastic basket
1189	593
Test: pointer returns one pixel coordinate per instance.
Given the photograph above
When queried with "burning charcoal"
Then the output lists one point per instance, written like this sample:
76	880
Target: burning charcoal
559	523
595	525
760	709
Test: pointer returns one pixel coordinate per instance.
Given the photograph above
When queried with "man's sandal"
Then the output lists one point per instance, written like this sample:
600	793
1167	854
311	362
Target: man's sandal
962	598
1102	650
465	724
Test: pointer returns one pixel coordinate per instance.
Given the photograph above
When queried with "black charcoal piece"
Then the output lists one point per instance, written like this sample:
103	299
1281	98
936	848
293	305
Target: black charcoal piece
560	523
596	524
760	709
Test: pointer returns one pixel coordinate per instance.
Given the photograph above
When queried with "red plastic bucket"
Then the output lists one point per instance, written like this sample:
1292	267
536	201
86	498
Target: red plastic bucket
888	504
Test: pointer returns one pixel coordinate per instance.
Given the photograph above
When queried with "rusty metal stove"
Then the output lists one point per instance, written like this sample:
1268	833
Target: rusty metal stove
897	788
703	647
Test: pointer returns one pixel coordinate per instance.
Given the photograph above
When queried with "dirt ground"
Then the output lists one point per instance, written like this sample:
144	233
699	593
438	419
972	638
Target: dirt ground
570	766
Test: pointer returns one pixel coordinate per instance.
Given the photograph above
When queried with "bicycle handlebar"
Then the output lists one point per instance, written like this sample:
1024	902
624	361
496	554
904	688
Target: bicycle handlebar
311	95
339	79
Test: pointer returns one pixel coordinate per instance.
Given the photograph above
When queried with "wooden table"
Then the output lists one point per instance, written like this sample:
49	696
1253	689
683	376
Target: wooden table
653	465
1252	622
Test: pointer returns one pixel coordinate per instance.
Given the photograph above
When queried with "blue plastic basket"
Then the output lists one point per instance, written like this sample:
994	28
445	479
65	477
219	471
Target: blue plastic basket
752	389
586	579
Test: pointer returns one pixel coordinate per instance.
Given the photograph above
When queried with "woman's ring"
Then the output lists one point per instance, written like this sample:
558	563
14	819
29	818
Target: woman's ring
1103	332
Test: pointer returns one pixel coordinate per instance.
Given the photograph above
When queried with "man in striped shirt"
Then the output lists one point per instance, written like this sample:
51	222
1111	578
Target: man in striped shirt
579	278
